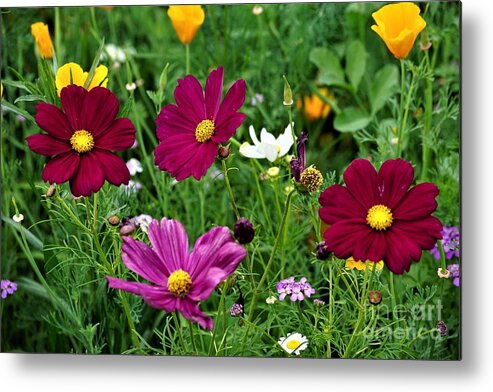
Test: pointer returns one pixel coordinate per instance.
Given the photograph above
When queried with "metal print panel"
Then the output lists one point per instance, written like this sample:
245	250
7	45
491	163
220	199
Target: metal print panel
270	180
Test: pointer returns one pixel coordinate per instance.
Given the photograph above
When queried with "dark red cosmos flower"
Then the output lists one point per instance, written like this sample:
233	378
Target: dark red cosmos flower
376	216
191	131
81	137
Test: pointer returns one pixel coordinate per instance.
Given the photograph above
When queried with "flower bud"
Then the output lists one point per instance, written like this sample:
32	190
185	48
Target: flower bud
318	302
322	251
375	297
243	231
127	229
223	152
113	220
273	171
442	328
288	94
50	192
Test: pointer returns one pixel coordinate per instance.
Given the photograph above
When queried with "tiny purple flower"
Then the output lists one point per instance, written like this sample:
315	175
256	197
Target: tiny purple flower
7	287
236	310
454	270
295	290
450	241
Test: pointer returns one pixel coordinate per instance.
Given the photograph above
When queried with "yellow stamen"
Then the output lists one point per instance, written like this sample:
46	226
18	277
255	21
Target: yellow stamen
82	141
293	344
179	283
379	217
204	130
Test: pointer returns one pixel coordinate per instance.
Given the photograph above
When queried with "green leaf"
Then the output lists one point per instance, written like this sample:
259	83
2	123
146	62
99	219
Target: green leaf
8	107
30	98
127	107
351	120
383	87
355	62
329	66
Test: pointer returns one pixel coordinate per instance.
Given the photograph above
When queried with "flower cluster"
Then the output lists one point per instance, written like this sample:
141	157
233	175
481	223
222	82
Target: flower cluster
450	242
295	290
7	287
454	270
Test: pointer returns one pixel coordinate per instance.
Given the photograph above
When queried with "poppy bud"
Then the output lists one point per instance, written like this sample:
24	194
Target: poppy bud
322	251
223	152
288	94
243	231
375	297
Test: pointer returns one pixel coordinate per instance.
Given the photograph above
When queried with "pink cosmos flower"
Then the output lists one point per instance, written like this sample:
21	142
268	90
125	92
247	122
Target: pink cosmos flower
191	131
180	280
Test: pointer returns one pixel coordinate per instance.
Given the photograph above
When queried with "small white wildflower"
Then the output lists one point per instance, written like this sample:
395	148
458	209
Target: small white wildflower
443	274
134	166
271	300
130	86
257	10
143	221
18	218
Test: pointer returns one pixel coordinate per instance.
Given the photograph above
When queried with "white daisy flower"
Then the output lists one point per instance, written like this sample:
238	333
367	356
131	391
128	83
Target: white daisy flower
293	343
134	166
268	147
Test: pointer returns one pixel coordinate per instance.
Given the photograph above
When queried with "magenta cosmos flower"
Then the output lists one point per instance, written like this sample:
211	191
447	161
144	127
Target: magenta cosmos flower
191	131
180	280
80	139
377	216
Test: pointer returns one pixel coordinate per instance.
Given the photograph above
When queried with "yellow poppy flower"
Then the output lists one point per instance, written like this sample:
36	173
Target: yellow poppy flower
72	73
313	107
398	25
41	35
360	266
186	20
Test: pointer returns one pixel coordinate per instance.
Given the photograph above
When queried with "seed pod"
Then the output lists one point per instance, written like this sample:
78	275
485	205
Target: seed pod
375	297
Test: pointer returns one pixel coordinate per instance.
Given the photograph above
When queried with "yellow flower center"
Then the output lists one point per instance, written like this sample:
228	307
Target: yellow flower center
311	179
204	130
82	141
293	344
379	217
179	283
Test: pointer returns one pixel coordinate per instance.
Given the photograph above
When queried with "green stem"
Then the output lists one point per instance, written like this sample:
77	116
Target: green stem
220	306
426	151
187	59
269	264
230	190
404	107
178	331
295	150
58	37
192	337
